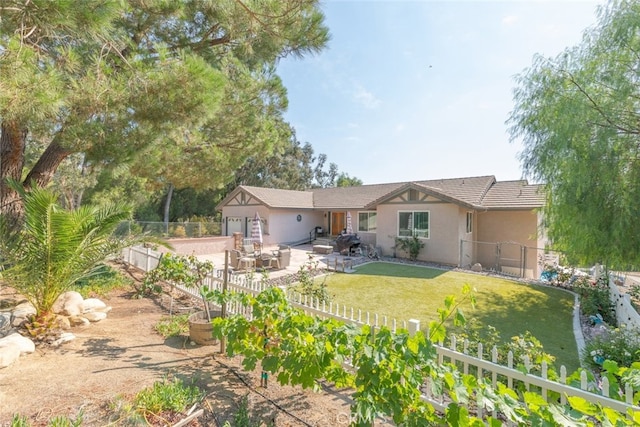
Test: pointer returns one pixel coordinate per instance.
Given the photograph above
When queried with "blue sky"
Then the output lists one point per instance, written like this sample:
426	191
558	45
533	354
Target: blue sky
413	90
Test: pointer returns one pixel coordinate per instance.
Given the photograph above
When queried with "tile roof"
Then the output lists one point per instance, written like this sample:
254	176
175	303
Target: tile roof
474	192
351	197
514	195
274	198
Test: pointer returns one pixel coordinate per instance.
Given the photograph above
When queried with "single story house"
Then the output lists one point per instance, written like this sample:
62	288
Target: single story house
462	221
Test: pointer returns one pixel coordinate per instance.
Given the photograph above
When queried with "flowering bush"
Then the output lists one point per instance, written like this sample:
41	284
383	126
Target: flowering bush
621	345
595	299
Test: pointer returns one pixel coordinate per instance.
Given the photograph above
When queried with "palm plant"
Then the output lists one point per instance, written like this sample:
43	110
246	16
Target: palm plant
52	247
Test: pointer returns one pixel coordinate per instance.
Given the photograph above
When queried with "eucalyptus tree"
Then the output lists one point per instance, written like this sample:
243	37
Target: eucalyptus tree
344	180
292	167
116	80
578	115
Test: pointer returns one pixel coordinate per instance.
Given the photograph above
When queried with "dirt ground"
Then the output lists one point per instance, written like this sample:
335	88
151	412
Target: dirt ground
123	354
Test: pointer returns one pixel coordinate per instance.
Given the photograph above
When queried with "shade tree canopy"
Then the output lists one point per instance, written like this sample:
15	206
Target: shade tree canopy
578	115
161	86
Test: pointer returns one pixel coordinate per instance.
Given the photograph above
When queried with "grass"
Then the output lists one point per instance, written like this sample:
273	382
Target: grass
173	326
104	280
406	292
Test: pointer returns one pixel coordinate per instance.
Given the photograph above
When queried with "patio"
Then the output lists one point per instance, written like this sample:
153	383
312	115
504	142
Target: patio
300	255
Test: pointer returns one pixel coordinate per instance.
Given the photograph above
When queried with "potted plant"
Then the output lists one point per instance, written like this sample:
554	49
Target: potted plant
189	271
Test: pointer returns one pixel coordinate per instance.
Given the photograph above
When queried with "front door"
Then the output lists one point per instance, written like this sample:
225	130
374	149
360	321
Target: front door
338	223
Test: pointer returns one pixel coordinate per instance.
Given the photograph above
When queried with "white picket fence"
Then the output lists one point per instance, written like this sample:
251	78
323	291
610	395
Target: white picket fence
625	313
146	259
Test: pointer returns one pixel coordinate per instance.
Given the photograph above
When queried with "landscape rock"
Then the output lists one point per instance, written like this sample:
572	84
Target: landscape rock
24	344
69	304
477	267
78	321
106	309
64	337
93	304
21	312
63	322
95	316
24	309
9	353
5	323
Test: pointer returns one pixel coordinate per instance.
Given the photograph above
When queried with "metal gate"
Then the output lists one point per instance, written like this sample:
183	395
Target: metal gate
509	258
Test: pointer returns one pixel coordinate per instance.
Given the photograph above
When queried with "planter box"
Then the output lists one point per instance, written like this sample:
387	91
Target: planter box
200	329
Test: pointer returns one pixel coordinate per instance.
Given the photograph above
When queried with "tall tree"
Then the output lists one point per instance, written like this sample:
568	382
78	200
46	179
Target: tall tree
344	180
116	80
579	117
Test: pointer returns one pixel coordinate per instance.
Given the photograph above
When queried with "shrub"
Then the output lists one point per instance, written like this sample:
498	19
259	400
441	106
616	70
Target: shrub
620	345
104	280
179	231
411	245
595	299
167	395
54	247
308	286
520	345
173	326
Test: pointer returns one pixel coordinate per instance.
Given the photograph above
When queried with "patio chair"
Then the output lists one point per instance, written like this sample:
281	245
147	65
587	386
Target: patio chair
240	261
249	250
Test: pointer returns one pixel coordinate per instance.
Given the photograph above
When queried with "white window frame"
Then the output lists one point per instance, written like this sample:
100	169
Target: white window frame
413	230
369	214
469	222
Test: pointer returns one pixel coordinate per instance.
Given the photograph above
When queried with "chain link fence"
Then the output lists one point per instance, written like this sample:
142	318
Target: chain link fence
171	229
510	258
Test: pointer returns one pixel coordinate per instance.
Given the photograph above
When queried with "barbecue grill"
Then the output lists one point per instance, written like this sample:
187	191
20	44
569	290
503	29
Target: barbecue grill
348	243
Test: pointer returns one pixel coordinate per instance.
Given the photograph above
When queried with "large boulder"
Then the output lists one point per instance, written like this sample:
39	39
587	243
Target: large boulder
69	303
93	304
9	353
21	312
95	316
24	344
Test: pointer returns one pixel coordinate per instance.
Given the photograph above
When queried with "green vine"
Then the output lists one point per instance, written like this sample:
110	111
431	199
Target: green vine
390	368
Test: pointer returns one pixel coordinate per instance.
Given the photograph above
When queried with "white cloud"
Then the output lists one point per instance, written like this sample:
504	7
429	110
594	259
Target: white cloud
366	98
510	20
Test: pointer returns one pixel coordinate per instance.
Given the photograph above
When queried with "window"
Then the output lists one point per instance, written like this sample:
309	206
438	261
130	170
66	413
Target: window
469	222
413	223
367	222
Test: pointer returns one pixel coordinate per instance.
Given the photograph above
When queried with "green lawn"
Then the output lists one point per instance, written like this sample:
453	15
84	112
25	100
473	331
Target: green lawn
406	292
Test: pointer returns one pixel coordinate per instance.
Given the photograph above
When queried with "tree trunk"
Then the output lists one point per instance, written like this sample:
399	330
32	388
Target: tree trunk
12	144
167	205
42	173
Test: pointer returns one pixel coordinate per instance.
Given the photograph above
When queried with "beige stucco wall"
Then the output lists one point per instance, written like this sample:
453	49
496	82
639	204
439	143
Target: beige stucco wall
286	227
445	220
508	226
279	225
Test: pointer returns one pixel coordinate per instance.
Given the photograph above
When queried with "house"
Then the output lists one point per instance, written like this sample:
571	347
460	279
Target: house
462	221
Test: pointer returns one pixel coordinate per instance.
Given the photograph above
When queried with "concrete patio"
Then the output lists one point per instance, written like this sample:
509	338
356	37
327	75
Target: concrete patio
300	255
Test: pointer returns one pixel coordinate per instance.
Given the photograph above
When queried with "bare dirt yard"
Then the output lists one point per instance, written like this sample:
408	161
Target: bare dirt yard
123	354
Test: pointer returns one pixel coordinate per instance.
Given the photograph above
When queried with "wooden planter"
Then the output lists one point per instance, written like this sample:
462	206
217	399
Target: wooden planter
200	329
